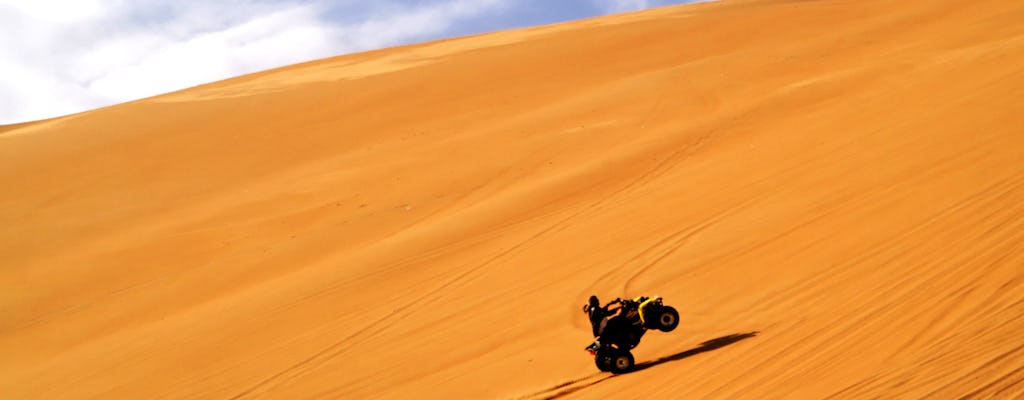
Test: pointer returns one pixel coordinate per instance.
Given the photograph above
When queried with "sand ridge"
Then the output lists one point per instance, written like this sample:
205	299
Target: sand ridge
830	192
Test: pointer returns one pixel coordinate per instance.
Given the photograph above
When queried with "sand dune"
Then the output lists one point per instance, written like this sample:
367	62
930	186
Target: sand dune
831	193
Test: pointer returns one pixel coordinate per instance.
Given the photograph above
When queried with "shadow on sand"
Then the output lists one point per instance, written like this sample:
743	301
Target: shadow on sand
576	385
709	345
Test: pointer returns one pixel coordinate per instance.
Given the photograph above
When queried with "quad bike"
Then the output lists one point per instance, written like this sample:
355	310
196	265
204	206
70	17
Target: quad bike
622	332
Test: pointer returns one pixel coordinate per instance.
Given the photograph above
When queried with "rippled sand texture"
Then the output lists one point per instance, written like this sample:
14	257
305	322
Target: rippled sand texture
831	193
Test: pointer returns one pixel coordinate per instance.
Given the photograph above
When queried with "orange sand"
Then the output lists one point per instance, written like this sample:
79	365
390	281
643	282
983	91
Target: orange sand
830	192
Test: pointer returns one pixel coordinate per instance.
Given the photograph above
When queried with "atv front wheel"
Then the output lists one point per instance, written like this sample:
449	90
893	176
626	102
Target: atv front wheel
668	319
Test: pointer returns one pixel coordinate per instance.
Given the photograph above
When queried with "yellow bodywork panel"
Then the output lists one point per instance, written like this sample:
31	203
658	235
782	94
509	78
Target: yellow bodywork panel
644	304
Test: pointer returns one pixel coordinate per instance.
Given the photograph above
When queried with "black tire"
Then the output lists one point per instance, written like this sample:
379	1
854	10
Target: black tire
603	361
621	362
668	319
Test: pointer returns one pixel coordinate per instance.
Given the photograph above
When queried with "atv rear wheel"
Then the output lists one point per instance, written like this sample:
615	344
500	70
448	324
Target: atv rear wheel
614	360
621	361
603	360
667	319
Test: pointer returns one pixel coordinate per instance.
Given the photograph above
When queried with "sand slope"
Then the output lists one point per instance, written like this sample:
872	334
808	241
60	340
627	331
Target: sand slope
831	192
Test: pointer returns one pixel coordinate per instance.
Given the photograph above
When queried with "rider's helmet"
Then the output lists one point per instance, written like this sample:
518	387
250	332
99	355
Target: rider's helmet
593	304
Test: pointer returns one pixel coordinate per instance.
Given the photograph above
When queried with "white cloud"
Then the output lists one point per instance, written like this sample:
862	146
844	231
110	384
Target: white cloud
56	11
402	24
28	94
619	6
58	57
281	38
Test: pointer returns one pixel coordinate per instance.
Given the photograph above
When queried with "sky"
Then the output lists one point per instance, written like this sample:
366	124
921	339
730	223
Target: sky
59	57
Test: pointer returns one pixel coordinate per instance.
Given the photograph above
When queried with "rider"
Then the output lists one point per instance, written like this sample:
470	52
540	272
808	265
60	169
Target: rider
598	315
